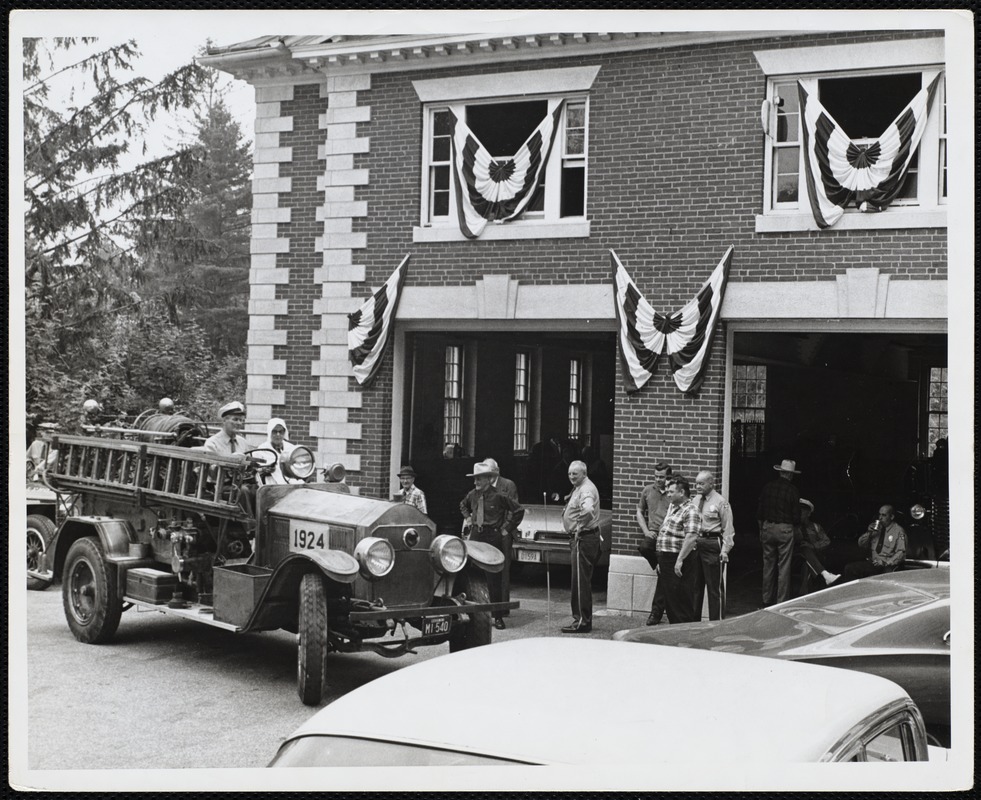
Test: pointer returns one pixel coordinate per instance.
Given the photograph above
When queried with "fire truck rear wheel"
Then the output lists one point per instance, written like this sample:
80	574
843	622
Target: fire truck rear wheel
476	631
311	656
88	591
40	532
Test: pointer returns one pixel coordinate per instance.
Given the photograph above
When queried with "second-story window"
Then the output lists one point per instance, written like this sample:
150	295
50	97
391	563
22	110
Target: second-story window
522	389
453	398
502	128
575	398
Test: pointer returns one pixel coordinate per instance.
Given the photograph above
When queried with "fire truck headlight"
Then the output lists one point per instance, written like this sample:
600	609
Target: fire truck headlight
376	557
299	463
917	512
449	553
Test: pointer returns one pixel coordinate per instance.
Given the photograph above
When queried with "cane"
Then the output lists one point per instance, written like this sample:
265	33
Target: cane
548	571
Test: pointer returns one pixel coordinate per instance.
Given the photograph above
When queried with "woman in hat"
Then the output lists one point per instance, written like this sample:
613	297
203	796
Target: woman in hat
411	493
276	433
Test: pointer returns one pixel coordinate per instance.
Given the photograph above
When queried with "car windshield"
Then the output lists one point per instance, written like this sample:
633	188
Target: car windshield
851	605
343	751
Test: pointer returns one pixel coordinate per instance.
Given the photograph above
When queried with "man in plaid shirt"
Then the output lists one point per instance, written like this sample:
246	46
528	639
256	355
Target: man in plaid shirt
675	548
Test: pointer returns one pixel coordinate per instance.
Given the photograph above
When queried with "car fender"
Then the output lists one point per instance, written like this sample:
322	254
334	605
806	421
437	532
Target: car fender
115	536
485	556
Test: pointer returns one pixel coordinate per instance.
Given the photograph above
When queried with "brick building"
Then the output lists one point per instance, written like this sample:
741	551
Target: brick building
832	345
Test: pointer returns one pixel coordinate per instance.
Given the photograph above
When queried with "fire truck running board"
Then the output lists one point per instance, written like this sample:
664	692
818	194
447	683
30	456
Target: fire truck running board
195	611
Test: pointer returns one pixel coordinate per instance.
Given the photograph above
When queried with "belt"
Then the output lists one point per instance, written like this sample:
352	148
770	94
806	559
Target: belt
710	536
588	531
486	528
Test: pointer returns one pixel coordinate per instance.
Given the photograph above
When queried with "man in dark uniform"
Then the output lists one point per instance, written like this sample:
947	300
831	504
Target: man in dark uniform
778	513
510	488
490	515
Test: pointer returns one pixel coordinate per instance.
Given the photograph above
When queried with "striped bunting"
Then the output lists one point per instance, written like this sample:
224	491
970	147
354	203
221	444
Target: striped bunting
497	189
368	327
840	172
644	335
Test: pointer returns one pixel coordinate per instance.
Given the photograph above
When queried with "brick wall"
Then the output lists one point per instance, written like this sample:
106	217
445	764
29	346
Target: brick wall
675	177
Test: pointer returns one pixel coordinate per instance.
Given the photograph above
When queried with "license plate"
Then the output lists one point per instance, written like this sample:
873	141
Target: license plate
435	626
529	555
305	536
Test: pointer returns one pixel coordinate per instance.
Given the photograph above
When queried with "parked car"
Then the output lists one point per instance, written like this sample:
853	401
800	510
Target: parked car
541	539
896	626
838	715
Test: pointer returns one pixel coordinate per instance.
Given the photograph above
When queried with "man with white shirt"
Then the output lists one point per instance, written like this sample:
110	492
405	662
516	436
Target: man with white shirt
715	540
580	518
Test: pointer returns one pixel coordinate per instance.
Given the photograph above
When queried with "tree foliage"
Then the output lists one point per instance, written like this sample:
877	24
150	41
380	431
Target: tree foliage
100	213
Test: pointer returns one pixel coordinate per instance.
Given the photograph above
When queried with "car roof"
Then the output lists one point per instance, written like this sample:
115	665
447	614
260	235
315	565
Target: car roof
588	701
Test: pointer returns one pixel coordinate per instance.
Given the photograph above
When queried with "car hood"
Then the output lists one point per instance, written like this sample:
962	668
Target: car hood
806	624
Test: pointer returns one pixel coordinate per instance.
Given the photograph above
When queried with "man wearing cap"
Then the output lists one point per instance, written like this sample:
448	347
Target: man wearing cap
778	513
810	538
490	515
715	539
580	518
410	493
651	510
229	440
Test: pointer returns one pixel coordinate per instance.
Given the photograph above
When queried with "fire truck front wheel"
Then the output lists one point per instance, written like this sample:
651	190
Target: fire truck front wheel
311	656
40	532
476	630
88	590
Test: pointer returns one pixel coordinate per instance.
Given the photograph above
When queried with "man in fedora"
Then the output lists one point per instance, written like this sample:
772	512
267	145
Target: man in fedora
490	515
411	493
509	488
778	513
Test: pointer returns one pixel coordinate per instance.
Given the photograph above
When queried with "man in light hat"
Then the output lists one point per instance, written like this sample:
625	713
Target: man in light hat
778	513
410	493
490	515
229	440
509	488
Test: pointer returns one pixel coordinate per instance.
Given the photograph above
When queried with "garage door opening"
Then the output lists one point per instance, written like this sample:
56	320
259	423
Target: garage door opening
863	415
530	400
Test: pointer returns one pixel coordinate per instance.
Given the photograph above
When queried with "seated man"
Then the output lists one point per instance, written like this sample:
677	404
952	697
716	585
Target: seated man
887	543
810	538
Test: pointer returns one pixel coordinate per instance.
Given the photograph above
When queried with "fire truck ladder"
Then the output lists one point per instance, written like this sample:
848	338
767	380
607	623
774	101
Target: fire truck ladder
147	474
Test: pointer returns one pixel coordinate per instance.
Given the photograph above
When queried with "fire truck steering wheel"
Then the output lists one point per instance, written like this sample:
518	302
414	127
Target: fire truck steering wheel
262	461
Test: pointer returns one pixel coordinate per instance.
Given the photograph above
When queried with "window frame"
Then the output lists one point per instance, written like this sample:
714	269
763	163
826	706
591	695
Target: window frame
810	65
575	399
565	82
522	406
459	400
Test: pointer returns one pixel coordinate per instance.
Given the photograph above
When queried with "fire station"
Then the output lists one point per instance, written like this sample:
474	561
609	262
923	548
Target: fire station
490	184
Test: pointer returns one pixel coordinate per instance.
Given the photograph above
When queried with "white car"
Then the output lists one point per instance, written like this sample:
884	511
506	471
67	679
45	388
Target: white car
781	712
541	539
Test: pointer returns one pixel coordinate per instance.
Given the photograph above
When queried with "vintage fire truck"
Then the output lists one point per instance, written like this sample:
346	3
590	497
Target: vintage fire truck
194	534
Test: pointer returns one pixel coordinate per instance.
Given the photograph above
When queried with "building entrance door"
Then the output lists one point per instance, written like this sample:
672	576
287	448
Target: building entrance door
527	399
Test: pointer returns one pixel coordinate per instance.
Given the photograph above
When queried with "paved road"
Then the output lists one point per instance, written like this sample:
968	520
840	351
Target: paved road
171	693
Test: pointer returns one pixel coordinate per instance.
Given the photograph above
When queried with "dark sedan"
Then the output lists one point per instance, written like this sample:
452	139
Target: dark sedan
895	625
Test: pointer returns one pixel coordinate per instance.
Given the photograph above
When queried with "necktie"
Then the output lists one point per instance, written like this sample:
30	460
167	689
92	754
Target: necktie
479	517
231	443
882	538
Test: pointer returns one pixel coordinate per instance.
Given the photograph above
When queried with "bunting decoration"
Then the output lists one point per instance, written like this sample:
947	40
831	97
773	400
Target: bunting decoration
839	171
644	335
368	327
489	189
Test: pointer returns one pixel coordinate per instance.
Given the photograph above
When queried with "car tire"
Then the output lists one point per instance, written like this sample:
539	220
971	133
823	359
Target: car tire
311	655
89	593
40	532
476	631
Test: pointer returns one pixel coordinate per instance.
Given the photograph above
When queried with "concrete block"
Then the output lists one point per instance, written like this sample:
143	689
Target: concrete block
273	154
359	82
335	367
334	161
268	110
335	290
272	307
272	397
273	124
338	255
343	305
266	141
336	115
263	261
265	200
353	273
267	185
338	194
336	430
267	277
269	246
265	171
347	177
270	337
345	240
269	94
260	382
265	367
619	591
332	384
643	592
270	215
335	399
338	146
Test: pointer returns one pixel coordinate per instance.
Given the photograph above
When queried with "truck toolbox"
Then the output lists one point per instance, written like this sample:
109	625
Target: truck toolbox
150	585
237	590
